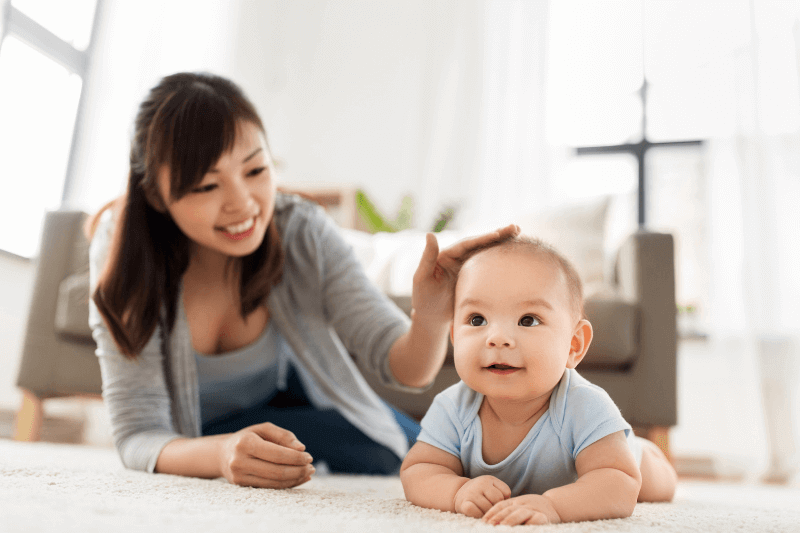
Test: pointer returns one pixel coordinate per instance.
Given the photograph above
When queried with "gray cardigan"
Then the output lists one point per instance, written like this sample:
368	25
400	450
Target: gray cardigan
325	308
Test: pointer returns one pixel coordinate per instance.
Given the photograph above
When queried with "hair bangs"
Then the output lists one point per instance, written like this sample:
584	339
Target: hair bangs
197	126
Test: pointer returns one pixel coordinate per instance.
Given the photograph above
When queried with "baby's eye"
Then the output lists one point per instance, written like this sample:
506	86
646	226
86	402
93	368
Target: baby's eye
477	320
528	321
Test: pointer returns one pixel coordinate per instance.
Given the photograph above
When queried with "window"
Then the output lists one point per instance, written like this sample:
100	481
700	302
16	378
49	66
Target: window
629	74
44	55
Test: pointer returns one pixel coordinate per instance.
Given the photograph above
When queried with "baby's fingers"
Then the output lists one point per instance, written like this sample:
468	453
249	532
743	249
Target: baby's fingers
521	515
498	508
477	506
500	484
537	518
471	509
494	495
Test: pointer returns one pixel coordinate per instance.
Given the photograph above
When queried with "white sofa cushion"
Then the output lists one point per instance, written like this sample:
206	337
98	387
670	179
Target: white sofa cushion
578	232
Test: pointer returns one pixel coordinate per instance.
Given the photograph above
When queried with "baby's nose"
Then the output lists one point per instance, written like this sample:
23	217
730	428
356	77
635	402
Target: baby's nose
500	338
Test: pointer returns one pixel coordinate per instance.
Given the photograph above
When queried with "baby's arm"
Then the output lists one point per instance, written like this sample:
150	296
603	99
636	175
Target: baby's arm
434	478
607	487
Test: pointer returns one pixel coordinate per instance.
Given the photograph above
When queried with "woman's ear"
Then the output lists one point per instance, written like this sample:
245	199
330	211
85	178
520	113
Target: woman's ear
581	339
154	200
153	195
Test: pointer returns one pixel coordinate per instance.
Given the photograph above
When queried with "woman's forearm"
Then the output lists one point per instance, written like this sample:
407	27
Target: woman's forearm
197	457
417	356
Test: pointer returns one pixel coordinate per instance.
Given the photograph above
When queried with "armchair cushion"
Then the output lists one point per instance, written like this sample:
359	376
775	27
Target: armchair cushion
72	308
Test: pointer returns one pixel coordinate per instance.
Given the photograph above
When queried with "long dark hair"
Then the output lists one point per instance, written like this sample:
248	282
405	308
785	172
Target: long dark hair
186	122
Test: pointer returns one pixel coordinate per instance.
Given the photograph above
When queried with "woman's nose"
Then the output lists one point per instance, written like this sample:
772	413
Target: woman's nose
238	197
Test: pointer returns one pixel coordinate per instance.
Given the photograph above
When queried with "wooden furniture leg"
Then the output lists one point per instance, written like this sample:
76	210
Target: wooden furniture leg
28	425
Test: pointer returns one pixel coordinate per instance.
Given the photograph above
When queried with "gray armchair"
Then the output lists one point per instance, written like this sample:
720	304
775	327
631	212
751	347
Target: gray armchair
58	351
632	356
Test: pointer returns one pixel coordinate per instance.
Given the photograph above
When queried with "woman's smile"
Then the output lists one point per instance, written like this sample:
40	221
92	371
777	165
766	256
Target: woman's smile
240	231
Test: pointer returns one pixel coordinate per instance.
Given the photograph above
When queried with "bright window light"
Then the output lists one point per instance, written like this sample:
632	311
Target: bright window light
71	20
594	72
593	176
38	103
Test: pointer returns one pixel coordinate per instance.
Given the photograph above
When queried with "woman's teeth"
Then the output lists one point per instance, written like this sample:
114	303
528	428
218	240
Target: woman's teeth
240	228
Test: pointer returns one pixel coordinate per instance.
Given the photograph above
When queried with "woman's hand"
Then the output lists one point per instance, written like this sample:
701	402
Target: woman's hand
267	456
432	296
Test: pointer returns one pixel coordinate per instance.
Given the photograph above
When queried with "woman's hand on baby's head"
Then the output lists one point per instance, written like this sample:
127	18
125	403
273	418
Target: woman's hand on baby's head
267	456
480	494
432	293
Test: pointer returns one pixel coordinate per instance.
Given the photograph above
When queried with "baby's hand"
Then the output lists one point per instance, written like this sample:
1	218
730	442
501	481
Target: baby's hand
527	509
478	495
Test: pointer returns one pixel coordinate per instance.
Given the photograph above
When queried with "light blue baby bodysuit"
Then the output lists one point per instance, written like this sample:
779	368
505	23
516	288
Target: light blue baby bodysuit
580	413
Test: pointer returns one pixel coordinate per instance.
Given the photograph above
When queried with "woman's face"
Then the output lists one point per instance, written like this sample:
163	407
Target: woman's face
228	212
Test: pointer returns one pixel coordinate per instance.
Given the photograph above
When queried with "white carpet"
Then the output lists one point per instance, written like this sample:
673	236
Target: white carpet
65	488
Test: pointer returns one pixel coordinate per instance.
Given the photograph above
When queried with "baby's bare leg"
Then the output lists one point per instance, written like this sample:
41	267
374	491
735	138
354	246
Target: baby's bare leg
658	475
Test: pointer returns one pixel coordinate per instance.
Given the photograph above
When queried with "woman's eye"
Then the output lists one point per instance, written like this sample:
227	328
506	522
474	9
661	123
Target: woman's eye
205	188
477	320
256	171
528	321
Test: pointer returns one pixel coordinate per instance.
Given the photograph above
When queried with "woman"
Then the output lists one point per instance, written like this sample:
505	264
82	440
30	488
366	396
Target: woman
225	312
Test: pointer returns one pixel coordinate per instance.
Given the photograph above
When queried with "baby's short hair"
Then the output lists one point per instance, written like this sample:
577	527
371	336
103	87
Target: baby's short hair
538	247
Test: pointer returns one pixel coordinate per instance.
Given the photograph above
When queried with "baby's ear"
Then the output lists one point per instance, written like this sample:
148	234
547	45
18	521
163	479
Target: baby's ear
581	339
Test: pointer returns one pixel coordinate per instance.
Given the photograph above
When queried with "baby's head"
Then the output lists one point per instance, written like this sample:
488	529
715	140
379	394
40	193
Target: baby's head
518	319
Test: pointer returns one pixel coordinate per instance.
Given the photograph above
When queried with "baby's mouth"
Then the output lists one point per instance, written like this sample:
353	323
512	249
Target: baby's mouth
502	369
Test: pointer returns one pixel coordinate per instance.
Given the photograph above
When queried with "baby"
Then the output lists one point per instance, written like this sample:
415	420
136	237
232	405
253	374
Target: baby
523	438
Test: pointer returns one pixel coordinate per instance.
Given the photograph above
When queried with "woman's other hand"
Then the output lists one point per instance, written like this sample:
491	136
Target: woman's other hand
432	296
264	455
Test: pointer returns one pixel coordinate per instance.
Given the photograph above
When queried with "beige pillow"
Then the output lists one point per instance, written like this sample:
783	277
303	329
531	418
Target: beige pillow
577	231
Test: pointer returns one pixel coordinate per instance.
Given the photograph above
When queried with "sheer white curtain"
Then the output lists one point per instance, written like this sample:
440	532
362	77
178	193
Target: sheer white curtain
754	235
485	147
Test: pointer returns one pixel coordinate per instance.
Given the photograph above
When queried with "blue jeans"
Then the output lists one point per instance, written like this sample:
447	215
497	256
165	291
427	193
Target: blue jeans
328	436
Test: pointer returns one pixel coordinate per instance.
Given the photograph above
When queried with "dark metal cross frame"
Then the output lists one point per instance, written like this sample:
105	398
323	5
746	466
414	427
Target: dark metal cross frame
639	151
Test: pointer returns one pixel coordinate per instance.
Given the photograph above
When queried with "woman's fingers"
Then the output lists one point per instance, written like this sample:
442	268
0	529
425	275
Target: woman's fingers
254	481
427	264
459	249
275	453
272	433
261	468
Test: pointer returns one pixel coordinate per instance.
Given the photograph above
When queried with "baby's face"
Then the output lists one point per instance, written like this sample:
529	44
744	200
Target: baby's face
513	326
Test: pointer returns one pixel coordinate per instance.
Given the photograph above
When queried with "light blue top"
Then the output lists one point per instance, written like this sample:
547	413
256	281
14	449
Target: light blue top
580	413
324	306
238	379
